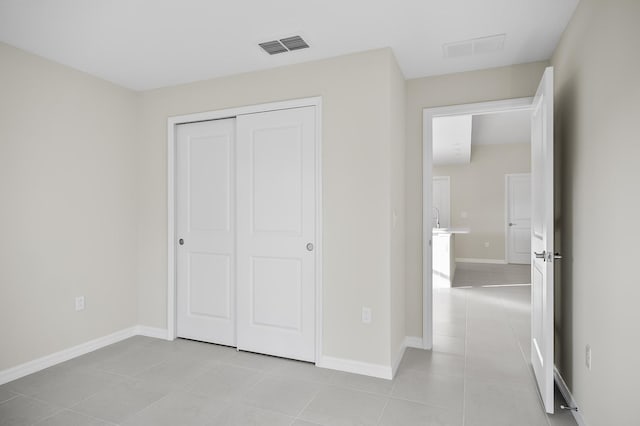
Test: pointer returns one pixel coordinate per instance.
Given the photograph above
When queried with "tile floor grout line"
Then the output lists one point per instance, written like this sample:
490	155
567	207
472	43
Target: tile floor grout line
297	416
92	417
55	413
386	404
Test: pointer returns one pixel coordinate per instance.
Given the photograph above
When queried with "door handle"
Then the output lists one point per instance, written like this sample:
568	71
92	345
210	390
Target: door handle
511	224
557	256
309	246
181	241
542	255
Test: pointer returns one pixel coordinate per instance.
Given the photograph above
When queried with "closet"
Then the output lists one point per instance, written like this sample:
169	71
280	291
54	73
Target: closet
245	229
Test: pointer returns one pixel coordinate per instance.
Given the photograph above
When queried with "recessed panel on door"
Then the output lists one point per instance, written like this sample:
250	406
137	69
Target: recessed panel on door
276	231
519	218
276	283
203	298
205	231
276	156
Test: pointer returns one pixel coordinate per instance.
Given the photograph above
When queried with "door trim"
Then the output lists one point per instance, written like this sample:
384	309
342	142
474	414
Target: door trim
172	122
507	257
428	114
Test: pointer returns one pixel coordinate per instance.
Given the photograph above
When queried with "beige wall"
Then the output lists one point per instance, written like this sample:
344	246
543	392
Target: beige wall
597	65
356	167
476	86
398	236
84	169
68	185
478	188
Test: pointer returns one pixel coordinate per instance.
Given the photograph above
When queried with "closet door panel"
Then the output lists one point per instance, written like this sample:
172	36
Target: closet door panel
275	235
205	224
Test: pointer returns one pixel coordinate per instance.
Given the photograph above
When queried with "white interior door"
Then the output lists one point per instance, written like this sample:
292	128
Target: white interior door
519	218
276	230
542	239
205	231
442	201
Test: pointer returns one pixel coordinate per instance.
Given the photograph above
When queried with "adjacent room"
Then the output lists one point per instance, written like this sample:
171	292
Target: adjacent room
244	213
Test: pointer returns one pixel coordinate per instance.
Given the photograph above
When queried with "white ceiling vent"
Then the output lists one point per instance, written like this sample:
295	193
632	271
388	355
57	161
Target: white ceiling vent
287	44
474	46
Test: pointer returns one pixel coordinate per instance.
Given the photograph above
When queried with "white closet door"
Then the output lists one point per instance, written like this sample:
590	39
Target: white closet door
205	231
275	234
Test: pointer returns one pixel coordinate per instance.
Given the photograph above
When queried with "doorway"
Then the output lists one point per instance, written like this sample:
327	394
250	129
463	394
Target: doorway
225	169
457	117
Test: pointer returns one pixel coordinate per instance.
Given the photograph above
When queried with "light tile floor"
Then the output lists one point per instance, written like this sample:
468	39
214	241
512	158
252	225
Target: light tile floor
479	274
477	374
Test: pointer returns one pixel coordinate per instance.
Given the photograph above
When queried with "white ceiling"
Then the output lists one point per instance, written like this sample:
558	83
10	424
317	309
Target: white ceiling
453	136
144	44
452	140
505	127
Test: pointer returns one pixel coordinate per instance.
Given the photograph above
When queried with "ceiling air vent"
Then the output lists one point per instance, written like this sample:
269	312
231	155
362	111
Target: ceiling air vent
294	43
474	46
287	44
273	47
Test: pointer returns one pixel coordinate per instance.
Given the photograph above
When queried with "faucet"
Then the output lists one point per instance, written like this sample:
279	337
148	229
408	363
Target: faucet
437	217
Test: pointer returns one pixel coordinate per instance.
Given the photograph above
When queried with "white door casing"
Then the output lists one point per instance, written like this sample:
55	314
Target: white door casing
205	211
428	115
518	218
275	233
442	200
542	232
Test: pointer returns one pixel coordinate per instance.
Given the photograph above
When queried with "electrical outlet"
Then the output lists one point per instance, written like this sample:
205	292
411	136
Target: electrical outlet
587	357
366	315
79	303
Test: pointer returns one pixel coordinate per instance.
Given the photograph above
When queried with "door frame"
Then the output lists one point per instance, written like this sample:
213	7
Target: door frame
507	257
428	114
172	122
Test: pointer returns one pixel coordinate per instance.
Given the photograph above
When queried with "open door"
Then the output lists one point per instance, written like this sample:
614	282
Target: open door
542	239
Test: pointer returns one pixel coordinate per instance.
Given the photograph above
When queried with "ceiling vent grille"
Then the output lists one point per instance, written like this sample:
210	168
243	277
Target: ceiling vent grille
273	47
294	43
287	44
474	46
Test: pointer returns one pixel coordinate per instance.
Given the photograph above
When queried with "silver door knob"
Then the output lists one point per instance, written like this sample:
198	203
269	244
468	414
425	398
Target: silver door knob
557	256
309	246
542	255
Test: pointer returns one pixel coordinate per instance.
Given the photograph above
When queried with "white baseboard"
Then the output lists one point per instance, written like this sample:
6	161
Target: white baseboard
490	261
566	393
47	361
413	342
38	364
357	367
341	364
158	333
395	362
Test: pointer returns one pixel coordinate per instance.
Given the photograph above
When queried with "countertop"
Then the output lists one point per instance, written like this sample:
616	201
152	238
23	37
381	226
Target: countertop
451	230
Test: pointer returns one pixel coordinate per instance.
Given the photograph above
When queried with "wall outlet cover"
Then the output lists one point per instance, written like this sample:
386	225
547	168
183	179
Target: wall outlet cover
366	315
79	303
